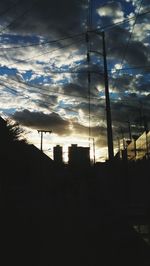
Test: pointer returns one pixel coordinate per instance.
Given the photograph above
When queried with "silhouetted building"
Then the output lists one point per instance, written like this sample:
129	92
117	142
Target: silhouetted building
58	154
79	155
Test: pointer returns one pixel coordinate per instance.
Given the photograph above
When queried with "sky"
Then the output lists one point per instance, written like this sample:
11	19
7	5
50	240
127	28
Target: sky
43	69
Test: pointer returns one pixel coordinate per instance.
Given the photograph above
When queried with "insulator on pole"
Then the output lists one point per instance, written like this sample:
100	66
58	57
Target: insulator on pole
89	77
87	37
88	57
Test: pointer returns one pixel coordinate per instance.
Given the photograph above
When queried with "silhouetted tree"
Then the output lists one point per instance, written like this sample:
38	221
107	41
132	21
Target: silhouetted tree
10	132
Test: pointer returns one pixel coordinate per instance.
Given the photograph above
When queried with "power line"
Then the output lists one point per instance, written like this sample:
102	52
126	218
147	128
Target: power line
129	39
45	89
39	55
123	102
70	37
112	25
50	91
131	68
130	36
93	72
19	17
44	43
89	23
76	35
11	23
9	8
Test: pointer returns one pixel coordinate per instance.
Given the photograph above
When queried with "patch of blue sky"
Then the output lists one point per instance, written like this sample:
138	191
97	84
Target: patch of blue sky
114	95
38	62
27	75
64	67
19	39
63	80
8	111
127	7
101	94
37	80
67	107
7	71
65	104
79	62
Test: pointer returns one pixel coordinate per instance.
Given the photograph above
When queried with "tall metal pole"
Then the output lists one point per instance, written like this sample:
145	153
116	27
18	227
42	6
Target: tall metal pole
41	140
123	140
93	150
108	110
129	128
119	146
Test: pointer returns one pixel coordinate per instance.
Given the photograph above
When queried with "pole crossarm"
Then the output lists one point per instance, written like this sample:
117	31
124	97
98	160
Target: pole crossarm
96	52
96	31
44	131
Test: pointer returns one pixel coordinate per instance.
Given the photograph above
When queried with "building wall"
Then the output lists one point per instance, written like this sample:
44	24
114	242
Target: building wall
78	155
139	149
131	150
58	154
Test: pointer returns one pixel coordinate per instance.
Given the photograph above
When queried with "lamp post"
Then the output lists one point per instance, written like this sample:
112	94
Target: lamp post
43	131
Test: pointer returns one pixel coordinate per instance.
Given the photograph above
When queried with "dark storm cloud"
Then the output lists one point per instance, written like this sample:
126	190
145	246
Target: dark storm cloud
46	17
84	130
75	89
96	109
119	47
97	132
122	83
143	87
39	120
79	90
131	83
47	101
137	54
79	86
125	112
96	72
124	109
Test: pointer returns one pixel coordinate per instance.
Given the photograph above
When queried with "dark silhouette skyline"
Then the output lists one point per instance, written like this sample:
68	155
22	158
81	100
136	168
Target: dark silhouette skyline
54	213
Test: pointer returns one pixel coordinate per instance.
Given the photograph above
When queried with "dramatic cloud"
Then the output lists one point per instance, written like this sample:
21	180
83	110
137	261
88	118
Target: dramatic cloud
44	17
44	75
41	121
113	10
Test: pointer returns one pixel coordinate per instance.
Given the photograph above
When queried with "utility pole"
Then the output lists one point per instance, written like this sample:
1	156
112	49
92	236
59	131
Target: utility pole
146	132
129	130
107	99
93	150
123	139
43	131
129	125
119	146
